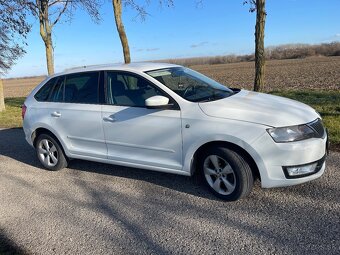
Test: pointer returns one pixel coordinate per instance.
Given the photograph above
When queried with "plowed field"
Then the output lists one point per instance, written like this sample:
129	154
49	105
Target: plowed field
316	73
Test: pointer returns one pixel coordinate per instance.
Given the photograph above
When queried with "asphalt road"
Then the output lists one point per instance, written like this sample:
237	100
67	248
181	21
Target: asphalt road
93	208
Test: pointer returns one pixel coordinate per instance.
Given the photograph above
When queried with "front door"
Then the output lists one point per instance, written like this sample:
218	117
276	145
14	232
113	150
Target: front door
135	134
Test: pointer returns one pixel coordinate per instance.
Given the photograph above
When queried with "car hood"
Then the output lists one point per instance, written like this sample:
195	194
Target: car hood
260	108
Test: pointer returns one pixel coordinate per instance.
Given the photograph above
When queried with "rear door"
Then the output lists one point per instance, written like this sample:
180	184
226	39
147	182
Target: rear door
75	113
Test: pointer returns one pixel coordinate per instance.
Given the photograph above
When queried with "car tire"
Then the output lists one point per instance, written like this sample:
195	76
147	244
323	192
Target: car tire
226	173
50	153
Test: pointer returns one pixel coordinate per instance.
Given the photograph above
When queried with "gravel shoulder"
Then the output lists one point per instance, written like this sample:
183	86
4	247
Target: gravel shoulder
92	208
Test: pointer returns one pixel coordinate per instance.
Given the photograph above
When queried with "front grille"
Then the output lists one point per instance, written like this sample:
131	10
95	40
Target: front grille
318	127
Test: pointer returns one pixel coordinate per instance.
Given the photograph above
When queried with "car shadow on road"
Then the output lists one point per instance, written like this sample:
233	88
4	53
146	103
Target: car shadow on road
8	246
14	145
179	183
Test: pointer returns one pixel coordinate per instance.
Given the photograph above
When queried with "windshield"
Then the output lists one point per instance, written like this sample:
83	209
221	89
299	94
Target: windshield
191	85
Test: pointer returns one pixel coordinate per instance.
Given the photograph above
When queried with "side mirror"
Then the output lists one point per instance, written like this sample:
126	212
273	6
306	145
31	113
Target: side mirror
157	102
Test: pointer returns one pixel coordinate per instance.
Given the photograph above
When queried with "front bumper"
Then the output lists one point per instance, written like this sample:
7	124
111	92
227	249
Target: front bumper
272	157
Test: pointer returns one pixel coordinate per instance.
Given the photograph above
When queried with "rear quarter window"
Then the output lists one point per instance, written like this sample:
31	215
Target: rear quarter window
43	94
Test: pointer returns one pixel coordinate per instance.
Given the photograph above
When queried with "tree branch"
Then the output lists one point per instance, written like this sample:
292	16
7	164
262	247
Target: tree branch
60	14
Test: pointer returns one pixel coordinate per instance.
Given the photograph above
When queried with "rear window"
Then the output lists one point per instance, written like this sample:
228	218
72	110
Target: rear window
74	88
43	94
57	95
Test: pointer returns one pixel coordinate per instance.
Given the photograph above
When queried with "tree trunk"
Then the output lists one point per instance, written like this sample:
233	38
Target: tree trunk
259	45
2	97
46	34
49	56
117	9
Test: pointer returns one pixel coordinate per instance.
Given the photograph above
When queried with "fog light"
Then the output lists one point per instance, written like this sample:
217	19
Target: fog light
299	171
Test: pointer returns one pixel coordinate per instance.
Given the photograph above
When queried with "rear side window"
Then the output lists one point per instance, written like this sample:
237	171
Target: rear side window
43	94
81	88
57	94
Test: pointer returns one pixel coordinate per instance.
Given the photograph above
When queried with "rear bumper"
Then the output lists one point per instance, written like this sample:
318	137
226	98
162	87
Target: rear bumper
28	134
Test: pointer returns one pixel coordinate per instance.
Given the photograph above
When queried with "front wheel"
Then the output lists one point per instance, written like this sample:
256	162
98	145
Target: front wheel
226	173
50	153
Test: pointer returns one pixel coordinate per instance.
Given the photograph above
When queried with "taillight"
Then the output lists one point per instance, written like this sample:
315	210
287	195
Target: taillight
23	111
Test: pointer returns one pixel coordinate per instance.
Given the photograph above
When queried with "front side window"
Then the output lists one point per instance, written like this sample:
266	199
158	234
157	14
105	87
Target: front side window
127	89
191	85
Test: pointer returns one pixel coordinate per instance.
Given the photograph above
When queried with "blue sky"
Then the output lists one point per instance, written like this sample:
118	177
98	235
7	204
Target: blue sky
217	27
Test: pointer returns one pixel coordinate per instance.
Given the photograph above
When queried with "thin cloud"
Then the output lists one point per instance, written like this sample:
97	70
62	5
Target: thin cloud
148	49
152	49
198	44
333	38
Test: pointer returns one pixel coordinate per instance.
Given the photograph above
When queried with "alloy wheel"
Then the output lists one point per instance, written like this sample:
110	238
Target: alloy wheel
219	174
48	153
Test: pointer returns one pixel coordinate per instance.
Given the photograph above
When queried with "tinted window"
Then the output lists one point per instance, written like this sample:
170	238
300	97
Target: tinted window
81	88
129	90
191	85
57	94
44	92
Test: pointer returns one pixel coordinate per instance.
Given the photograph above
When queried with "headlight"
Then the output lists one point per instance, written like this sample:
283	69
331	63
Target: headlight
291	134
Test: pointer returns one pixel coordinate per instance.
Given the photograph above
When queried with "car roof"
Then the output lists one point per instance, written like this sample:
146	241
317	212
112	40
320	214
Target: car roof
133	67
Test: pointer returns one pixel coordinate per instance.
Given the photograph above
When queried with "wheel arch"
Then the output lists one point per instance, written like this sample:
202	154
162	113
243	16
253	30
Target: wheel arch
243	152
42	130
36	133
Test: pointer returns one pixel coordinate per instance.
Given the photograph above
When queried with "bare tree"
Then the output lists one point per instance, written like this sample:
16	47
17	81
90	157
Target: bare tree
50	12
13	31
141	12
117	10
260	61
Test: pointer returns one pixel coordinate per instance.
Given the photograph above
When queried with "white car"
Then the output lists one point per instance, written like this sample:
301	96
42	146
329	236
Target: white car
171	119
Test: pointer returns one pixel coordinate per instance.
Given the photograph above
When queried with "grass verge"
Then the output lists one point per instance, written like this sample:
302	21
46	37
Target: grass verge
11	116
327	103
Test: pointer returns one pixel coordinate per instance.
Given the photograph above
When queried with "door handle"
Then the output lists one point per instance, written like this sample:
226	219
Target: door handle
56	114
109	119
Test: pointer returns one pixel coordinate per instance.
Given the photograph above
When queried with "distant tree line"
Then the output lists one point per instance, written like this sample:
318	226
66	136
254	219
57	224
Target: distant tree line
288	51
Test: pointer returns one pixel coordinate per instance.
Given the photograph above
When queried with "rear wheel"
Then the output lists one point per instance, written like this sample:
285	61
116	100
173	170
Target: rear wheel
226	173
50	153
